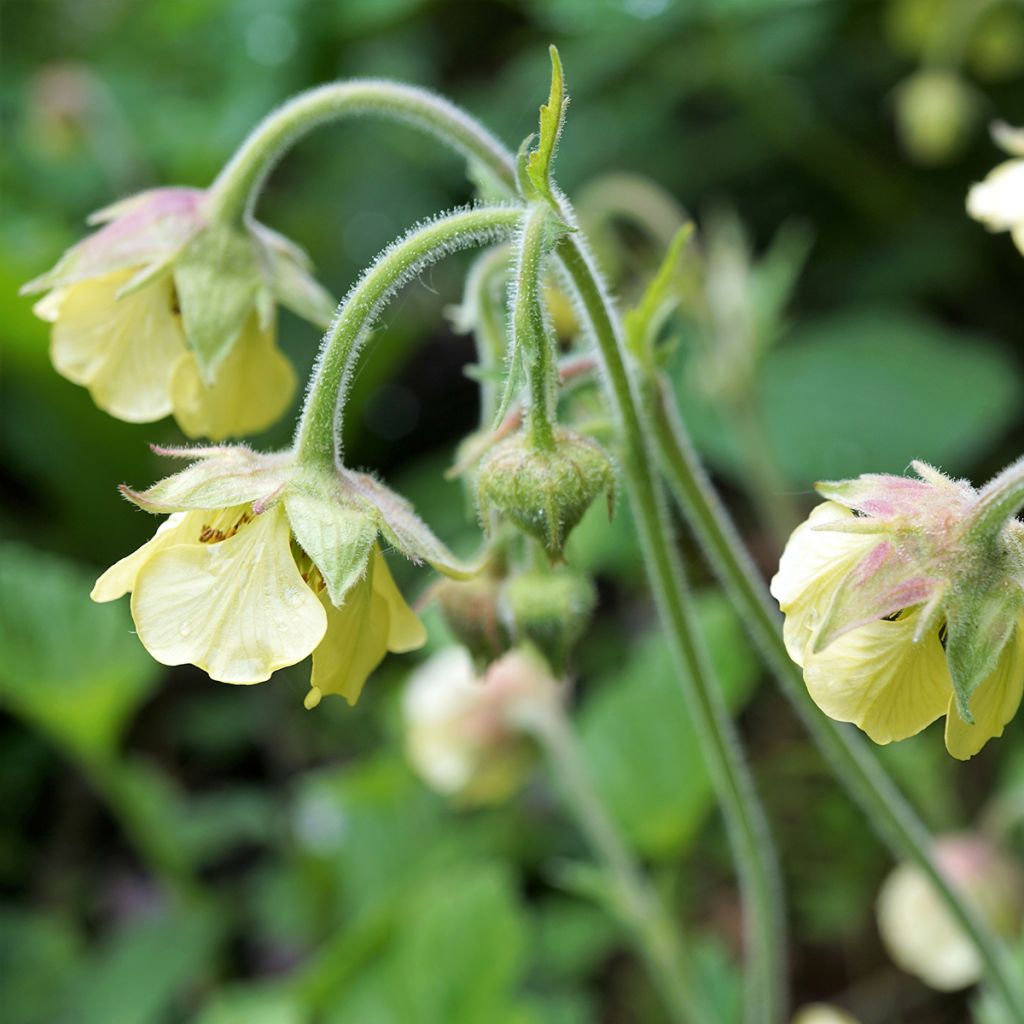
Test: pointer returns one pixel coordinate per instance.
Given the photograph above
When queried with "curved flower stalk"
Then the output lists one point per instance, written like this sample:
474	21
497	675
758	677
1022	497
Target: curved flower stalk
904	601
264	561
998	201
168	309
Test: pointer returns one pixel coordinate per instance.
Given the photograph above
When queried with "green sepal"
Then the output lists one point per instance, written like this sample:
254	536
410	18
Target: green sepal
217	277
978	627
219	478
552	117
338	537
660	300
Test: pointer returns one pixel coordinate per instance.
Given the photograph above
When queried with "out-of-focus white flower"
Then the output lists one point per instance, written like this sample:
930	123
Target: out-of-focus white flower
916	927
998	201
823	1013
464	734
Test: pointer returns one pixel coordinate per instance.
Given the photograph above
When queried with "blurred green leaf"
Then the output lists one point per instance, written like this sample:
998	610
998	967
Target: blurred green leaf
642	748
868	391
461	948
139	973
71	667
37	953
253	1004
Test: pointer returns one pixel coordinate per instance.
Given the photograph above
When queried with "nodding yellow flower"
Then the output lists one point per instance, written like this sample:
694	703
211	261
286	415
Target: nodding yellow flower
998	201
898	615
162	311
262	563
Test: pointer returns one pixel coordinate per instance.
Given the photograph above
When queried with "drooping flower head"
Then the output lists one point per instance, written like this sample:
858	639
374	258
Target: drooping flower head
263	562
904	601
464	733
998	201
166	310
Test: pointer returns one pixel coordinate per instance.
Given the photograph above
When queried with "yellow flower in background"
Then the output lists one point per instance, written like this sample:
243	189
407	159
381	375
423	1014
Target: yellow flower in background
263	563
162	312
886	608
998	201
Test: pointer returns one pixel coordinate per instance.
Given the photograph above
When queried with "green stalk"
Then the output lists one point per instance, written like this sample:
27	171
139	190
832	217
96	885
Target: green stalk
317	437
852	762
751	842
654	932
530	337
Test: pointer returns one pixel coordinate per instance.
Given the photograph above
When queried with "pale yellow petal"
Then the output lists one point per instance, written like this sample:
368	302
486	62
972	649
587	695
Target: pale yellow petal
993	704
119	579
237	608
998	201
123	350
354	645
405	630
813	565
879	679
254	386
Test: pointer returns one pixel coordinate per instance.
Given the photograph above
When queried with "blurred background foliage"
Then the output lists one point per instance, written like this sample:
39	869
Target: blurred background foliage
173	849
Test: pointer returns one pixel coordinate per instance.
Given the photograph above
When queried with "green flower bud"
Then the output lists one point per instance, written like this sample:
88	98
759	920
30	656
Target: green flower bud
935	111
545	492
551	609
470	609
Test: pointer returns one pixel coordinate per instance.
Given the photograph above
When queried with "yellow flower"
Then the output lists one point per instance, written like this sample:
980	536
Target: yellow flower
151	315
998	201
878	597
262	563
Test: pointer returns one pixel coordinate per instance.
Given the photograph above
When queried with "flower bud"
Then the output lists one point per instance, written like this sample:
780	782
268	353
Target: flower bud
935	110
545	492
551	609
463	734
470	609
916	926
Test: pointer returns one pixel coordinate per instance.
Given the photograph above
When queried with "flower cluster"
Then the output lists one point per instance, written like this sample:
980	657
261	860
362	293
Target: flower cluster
264	562
900	608
165	310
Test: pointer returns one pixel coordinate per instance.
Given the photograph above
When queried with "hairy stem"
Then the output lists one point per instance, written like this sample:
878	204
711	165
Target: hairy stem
234	193
655	933
751	842
317	437
530	337
851	760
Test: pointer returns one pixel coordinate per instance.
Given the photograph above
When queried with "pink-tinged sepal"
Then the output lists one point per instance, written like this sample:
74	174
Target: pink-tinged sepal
883	496
885	582
143	231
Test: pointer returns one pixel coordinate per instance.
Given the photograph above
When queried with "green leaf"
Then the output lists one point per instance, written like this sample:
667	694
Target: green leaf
137	975
254	1004
462	948
37	953
69	666
641	745
873	390
660	299
552	117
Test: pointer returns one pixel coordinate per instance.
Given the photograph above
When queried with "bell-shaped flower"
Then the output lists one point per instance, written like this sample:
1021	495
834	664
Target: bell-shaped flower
900	608
165	309
262	563
998	201
464	733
